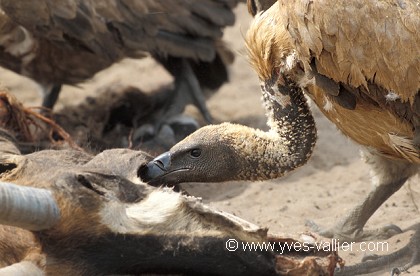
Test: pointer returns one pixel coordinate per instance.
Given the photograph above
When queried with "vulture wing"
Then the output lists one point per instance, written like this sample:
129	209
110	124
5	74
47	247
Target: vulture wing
359	42
112	28
370	49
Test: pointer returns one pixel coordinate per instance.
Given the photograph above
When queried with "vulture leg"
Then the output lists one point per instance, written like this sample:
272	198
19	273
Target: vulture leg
389	176
169	125
187	88
409	255
51	93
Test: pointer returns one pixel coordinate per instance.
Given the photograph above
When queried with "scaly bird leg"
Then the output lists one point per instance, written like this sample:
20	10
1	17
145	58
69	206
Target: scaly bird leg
50	96
390	176
195	91
187	88
408	255
168	125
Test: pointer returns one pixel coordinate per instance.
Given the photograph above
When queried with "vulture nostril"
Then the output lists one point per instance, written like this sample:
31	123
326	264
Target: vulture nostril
159	164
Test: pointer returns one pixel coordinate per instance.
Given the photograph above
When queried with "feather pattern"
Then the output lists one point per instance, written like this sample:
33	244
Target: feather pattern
110	28
359	59
372	49
357	42
68	41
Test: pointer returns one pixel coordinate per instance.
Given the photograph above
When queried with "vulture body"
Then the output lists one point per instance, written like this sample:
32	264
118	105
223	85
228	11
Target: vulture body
68	41
360	63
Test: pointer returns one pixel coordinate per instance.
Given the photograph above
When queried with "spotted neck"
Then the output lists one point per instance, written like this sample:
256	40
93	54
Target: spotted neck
289	142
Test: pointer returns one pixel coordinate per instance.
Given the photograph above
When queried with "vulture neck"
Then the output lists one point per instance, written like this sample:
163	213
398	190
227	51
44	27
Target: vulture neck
292	135
289	142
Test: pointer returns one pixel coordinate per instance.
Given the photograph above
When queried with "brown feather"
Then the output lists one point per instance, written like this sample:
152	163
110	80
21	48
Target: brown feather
368	41
370	125
68	41
353	44
114	28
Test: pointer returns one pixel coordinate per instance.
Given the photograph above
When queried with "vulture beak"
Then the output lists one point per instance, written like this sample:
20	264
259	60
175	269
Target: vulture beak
156	168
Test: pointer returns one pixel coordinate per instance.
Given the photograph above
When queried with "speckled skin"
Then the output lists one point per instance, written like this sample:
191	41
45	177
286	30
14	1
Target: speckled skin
236	152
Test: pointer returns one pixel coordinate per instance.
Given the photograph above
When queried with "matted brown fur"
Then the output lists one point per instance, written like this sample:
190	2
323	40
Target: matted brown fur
19	244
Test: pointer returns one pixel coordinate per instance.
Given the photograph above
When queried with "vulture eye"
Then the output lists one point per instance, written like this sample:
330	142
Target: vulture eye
195	153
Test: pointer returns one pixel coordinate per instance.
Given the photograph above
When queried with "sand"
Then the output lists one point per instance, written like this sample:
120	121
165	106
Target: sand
323	190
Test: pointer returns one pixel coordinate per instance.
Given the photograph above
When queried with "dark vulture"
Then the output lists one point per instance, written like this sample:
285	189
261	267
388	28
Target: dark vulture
68	41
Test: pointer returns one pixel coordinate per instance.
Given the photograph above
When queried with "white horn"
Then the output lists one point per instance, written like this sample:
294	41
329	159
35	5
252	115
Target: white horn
27	207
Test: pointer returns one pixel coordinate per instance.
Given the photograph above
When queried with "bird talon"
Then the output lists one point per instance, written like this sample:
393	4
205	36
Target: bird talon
319	230
313	226
370	257
389	230
357	234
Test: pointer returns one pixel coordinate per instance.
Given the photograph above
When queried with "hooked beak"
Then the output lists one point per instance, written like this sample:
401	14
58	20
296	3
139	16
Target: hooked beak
155	168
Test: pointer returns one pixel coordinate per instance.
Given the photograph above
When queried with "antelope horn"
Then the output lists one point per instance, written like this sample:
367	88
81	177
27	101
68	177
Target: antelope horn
26	207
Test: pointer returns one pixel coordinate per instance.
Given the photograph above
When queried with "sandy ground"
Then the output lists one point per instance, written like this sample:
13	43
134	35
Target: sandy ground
323	190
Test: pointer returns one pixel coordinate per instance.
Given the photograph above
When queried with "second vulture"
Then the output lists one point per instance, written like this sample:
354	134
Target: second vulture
68	41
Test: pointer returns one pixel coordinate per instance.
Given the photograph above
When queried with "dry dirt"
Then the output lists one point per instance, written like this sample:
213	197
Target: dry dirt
323	190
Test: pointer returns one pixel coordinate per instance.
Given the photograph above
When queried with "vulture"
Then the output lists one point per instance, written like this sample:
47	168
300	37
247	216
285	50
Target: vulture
68	41
359	61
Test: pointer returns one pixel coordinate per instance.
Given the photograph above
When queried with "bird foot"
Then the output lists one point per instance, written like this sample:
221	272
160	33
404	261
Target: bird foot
414	260
354	234
409	256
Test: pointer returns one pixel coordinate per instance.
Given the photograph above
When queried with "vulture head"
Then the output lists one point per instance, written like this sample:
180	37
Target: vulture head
215	153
